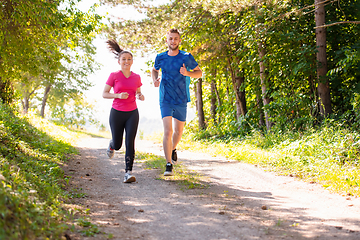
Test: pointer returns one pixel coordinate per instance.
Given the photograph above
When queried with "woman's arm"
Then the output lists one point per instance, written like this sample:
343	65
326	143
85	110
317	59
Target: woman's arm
139	95
108	95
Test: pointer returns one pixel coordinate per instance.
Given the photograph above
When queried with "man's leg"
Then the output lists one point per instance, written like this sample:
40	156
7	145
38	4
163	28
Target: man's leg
178	131
167	142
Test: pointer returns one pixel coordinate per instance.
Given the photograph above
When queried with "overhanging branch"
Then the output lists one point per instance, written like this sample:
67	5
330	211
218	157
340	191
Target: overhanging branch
337	23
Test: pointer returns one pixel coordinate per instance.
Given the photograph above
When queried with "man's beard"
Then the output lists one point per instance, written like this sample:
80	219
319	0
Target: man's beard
174	48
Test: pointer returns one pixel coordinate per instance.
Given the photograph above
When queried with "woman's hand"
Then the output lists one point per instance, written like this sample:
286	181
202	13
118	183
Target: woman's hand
140	96
123	95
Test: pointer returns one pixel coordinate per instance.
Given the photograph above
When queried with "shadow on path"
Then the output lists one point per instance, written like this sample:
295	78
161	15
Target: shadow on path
230	207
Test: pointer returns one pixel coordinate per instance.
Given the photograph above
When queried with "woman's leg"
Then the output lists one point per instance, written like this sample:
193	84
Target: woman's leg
117	122
131	127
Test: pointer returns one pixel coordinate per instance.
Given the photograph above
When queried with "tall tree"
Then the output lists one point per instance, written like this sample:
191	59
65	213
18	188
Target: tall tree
44	99
237	81
323	82
199	104
273	51
37	37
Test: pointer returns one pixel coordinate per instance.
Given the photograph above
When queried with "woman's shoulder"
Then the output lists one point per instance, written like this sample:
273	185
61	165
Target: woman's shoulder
116	72
135	75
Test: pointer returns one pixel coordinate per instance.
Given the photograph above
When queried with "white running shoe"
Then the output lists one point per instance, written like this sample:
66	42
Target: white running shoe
110	152
128	178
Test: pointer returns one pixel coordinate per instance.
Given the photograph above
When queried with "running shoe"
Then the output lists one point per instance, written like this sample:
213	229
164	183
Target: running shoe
128	178
110	152
174	156
168	171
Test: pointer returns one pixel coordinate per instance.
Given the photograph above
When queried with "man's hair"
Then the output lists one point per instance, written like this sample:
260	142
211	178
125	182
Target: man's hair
173	30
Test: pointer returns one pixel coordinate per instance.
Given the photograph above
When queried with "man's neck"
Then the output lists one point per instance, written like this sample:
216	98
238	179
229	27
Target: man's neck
173	52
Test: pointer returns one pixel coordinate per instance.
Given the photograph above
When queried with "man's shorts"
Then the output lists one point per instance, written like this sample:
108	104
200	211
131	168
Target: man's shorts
176	111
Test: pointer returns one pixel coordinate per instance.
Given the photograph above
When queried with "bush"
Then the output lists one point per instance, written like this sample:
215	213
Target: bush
31	185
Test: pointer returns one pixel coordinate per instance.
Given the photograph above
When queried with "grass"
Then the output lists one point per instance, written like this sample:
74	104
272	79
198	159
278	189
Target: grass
32	182
187	179
329	155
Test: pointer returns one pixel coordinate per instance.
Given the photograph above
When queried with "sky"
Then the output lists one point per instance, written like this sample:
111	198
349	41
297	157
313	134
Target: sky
149	110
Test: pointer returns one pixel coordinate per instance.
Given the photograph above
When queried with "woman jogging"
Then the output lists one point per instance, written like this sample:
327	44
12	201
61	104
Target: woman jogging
124	114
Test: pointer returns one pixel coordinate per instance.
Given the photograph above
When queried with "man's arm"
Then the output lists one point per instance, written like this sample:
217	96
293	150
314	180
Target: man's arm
155	77
195	73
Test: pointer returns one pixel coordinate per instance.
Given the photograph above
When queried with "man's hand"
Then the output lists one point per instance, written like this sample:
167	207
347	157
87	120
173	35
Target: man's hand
157	82
155	77
183	70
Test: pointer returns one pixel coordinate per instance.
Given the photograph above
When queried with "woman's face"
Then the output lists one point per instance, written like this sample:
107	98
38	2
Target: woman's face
125	61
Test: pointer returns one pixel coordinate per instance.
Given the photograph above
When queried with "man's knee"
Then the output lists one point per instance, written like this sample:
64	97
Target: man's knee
179	127
168	133
178	132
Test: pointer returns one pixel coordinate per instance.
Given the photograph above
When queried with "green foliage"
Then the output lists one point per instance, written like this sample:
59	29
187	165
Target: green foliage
224	37
181	175
76	193
90	229
74	113
31	188
45	45
151	161
328	154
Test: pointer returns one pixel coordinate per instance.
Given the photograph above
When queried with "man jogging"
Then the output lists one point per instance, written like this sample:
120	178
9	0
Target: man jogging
177	67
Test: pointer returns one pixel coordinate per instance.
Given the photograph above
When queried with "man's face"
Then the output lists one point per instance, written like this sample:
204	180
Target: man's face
173	40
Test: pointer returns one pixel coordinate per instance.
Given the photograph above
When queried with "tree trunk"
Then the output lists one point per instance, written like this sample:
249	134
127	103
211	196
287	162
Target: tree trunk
199	104
45	97
6	91
25	104
264	82
259	107
239	96
323	82
218	98
26	98
3	96
242	98
213	100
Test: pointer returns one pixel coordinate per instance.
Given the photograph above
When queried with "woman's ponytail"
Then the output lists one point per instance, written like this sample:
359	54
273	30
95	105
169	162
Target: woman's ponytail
114	47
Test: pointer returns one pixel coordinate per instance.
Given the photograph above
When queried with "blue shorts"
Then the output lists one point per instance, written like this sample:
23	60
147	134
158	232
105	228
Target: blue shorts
175	111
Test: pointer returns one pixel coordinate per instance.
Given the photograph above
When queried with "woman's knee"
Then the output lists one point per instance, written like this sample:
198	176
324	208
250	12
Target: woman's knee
116	144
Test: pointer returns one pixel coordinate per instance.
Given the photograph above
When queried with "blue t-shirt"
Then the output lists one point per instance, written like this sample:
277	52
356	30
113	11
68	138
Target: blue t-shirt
174	87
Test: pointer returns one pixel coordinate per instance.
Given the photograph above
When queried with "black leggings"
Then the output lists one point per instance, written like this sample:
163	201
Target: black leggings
128	121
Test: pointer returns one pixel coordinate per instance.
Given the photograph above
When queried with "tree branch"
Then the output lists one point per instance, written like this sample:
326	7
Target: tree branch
326	2
337	23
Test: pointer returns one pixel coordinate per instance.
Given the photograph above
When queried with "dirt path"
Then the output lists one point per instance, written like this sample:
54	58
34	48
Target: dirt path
230	208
